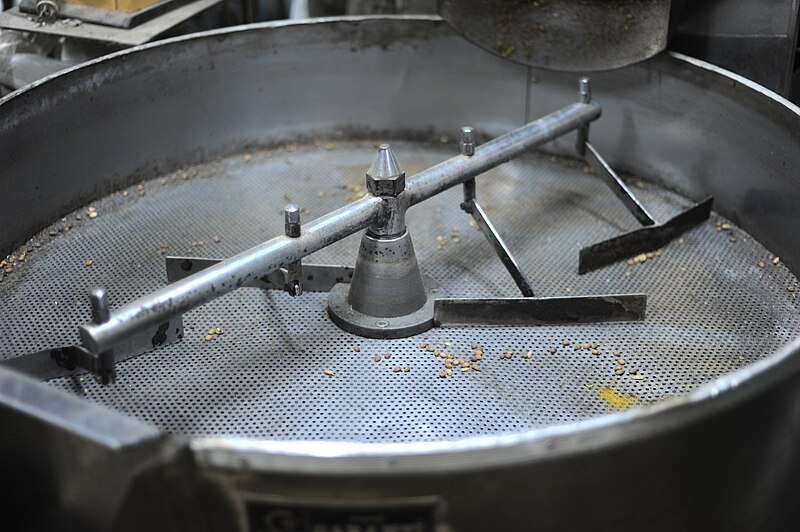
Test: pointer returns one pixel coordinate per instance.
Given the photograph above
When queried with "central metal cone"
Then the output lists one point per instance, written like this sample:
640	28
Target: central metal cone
386	281
384	165
387	297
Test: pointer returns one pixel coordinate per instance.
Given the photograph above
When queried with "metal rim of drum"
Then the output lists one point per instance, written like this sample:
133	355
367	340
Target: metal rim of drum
470	454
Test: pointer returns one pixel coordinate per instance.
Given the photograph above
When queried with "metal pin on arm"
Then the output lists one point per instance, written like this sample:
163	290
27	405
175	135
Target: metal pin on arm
467	148
105	364
472	207
294	271
585	91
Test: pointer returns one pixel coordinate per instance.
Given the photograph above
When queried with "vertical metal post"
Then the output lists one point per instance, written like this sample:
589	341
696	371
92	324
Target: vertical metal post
585	96
472	207
99	301
104	367
294	271
467	147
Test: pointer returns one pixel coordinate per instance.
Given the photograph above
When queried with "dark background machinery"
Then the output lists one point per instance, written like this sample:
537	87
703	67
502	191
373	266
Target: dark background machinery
757	39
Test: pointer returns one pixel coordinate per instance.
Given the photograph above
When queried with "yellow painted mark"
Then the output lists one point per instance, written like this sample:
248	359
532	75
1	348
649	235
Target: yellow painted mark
615	399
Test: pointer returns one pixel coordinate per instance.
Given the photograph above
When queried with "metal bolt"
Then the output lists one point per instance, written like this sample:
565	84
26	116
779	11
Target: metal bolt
384	177
47	10
291	216
104	364
585	92
585	89
467	143
99	301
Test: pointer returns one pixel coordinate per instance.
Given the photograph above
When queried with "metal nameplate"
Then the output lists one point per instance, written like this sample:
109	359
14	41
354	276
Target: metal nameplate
279	514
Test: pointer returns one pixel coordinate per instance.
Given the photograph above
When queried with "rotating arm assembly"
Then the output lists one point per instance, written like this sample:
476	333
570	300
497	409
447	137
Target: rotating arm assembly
386	263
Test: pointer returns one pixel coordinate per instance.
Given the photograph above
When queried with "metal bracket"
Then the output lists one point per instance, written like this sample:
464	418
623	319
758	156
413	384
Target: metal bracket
316	277
75	359
648	238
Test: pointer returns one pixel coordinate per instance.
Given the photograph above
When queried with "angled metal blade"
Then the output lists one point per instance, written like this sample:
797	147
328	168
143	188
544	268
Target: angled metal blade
487	228
620	189
643	239
539	311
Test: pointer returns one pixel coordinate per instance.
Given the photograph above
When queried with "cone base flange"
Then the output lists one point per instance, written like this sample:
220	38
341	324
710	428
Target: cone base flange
350	320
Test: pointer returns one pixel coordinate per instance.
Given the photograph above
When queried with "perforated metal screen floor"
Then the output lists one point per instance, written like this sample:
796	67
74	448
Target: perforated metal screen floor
711	308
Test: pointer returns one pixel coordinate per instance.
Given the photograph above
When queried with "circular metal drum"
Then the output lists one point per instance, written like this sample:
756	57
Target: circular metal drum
267	416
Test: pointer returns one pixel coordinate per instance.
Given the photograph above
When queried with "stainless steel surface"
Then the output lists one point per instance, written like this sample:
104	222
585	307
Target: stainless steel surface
384	177
57	450
499	150
755	39
317	277
274	347
233	273
386	297
670	120
565	35
386	281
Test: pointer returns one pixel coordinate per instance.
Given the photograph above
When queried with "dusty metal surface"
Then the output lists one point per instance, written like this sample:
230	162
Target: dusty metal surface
566	35
712	309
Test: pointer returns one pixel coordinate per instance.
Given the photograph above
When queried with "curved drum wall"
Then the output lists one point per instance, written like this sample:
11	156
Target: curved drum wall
722	458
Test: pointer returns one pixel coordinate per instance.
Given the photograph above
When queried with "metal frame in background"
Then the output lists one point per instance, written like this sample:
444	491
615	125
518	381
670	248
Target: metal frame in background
14	19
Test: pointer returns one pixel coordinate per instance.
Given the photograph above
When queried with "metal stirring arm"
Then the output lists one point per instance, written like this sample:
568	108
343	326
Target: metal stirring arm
528	310
112	335
316	277
652	235
257	262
